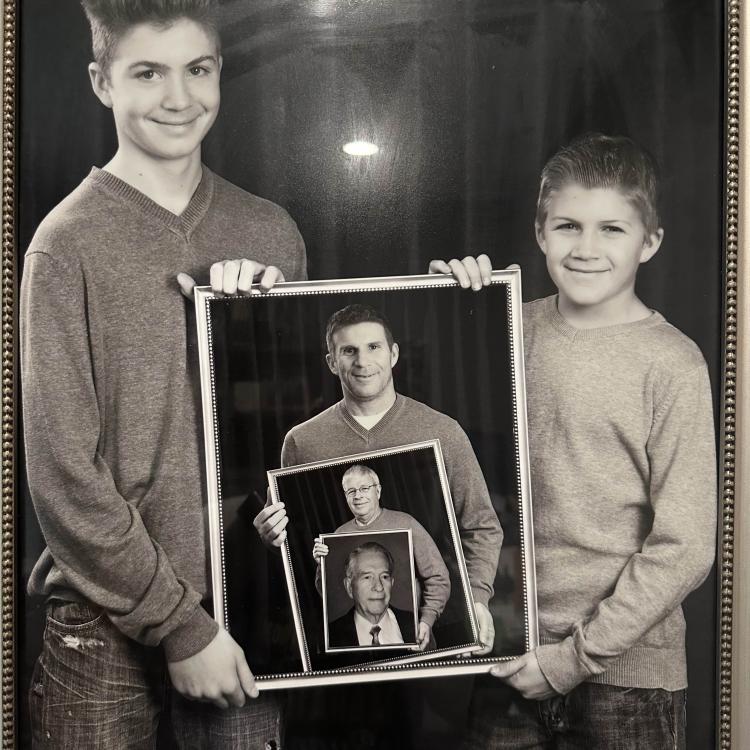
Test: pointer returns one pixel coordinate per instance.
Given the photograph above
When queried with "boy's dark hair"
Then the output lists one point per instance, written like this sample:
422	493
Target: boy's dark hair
601	161
350	316
110	20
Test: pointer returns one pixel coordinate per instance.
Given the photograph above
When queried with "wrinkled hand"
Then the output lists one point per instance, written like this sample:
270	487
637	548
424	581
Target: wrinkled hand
235	277
218	674
319	550
271	523
424	633
524	675
486	628
470	272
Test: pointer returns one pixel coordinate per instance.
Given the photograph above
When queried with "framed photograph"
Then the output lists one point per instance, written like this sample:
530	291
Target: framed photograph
452	468
404	493
343	631
394	134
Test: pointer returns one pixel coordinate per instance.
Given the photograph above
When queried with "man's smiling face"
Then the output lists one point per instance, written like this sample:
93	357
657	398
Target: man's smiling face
363	360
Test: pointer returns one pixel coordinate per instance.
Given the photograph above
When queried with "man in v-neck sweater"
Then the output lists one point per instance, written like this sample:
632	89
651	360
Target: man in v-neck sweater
372	416
110	396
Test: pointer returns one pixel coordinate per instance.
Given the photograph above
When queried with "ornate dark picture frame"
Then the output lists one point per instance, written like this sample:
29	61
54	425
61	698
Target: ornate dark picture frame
29	190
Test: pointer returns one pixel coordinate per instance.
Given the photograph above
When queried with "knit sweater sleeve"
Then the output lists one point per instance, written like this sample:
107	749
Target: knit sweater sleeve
97	538
432	573
479	527
677	553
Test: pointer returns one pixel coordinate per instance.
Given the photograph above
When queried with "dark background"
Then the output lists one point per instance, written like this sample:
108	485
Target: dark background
466	100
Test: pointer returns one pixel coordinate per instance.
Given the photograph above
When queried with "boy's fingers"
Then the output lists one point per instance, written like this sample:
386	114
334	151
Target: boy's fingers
230	276
485	268
248	271
216	277
280	539
513	267
247	681
458	270
271	276
472	269
438	266
187	284
507	669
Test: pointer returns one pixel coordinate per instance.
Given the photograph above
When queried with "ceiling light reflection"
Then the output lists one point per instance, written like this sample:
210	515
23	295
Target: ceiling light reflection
360	148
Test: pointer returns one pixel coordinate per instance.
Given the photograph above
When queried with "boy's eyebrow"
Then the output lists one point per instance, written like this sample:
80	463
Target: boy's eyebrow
603	221
162	66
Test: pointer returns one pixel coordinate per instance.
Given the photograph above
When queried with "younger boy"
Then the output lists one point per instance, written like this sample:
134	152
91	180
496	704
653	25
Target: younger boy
111	400
621	443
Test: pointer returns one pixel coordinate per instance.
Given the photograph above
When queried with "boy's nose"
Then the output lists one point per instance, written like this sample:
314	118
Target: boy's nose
586	246
176	94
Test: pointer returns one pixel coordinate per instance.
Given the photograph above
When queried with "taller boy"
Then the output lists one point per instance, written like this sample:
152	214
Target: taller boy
110	398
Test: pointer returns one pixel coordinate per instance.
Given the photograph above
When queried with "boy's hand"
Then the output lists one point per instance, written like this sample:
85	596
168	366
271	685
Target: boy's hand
235	277
218	674
319	550
469	272
524	675
424	633
486	628
271	523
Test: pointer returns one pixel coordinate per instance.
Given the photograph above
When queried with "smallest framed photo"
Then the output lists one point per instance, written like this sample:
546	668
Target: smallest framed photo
369	591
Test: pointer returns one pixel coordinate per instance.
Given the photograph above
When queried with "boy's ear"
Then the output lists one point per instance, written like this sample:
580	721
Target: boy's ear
539	232
651	245
100	84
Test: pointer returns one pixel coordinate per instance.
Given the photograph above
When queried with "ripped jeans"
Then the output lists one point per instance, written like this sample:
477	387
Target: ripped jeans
591	717
95	689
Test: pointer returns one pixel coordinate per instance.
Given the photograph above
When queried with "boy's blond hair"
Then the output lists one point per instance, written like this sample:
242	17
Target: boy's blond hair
601	161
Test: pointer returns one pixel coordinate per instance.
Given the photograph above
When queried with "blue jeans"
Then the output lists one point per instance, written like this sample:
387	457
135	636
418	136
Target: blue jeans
95	689
590	717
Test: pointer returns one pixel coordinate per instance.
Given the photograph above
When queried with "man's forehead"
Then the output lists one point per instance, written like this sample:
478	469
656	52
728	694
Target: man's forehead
368	331
371	559
354	476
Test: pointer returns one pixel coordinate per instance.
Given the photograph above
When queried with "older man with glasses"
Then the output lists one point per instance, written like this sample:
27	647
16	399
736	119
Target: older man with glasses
362	490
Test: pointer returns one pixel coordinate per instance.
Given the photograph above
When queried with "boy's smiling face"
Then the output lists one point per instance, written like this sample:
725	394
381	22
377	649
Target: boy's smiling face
163	88
594	241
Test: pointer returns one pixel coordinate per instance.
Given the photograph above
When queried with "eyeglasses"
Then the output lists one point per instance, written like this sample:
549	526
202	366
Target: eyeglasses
354	490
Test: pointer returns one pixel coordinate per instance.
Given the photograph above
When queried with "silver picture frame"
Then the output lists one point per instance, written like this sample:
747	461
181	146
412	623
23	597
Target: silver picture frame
218	336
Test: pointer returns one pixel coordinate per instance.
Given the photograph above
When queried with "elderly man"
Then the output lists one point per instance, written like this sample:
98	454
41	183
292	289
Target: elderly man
371	622
362	490
373	416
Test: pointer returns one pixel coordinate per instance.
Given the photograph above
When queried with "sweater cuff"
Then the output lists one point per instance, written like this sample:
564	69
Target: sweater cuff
191	636
560	665
481	595
427	616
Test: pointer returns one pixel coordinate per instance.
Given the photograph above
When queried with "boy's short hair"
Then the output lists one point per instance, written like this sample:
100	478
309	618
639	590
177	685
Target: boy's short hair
110	20
352	315
601	161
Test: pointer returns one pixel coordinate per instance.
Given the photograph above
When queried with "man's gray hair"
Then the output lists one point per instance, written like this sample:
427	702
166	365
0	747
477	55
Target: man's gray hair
360	469
367	547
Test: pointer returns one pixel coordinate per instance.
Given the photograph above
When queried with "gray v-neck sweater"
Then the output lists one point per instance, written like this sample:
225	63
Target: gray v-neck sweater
623	475
111	398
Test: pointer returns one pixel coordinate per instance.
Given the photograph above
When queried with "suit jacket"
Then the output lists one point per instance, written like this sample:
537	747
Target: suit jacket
342	632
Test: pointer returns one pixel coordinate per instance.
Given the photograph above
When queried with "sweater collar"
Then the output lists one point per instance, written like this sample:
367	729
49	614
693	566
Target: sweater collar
560	324
183	224
387	418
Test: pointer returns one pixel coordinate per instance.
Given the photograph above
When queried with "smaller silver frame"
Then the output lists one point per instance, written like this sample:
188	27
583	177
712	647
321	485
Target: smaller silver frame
324	583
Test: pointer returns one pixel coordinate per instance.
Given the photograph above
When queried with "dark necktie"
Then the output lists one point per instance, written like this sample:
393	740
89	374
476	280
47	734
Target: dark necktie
374	632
